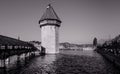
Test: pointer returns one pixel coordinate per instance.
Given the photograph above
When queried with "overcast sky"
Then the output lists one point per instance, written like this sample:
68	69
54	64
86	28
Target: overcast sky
82	20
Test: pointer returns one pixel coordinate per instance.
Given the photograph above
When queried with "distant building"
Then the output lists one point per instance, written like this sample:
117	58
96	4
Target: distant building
37	44
70	46
49	25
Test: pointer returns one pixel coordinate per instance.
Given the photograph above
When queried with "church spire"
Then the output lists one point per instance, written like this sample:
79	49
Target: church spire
50	14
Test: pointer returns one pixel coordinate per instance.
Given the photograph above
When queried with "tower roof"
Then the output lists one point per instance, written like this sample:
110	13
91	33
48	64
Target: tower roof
50	14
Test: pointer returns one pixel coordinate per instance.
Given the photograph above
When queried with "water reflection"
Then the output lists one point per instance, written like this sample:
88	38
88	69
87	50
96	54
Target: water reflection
68	62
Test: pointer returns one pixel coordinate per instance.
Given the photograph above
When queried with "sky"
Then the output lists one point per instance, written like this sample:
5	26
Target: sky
82	20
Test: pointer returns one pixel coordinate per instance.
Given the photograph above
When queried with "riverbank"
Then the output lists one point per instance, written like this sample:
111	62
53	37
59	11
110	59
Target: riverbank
110	57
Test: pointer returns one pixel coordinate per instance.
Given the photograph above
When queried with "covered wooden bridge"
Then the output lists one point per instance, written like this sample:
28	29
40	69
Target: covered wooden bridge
10	46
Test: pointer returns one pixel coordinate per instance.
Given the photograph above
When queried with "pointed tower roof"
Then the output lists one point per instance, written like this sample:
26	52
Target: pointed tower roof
50	14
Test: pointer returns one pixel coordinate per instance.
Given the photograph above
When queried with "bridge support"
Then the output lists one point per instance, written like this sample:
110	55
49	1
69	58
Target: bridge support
3	64
7	62
25	57
34	53
18	61
29	55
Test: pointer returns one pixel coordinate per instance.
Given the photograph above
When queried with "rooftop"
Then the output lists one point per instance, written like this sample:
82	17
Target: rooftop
50	14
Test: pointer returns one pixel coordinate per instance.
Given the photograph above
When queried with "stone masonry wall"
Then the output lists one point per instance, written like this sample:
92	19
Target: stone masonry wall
49	38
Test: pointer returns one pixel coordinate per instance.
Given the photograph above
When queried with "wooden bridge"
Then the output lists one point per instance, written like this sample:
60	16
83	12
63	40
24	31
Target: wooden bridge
10	46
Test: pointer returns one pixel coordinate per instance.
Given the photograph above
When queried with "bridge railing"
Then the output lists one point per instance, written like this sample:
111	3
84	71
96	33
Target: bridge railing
6	50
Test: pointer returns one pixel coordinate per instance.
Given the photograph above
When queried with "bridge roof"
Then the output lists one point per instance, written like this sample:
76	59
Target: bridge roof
4	40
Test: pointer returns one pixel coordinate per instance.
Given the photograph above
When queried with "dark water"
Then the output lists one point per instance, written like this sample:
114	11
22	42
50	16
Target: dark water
67	62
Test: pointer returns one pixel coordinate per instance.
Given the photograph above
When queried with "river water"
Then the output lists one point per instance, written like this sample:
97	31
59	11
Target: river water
67	62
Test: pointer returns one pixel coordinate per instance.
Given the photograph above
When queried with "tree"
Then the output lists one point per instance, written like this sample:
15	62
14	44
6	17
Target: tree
95	41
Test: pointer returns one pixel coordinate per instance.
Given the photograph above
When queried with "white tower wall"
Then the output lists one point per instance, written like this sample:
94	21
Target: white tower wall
50	38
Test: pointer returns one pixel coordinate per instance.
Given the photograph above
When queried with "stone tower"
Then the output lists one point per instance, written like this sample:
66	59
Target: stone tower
49	25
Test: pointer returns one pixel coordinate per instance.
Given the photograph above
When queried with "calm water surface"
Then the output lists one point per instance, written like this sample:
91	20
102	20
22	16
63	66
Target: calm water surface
67	62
